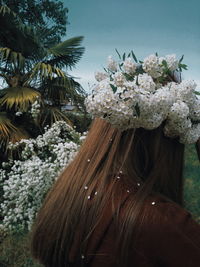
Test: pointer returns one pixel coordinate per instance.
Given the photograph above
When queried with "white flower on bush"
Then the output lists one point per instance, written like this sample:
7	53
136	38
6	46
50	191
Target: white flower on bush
18	113
27	181
35	108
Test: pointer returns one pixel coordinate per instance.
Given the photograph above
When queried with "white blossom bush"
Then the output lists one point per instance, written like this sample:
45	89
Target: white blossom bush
26	181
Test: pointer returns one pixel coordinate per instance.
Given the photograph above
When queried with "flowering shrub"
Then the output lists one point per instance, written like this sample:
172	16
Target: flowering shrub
134	94
26	181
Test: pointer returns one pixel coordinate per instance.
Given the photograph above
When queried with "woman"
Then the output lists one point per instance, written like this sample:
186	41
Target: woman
120	201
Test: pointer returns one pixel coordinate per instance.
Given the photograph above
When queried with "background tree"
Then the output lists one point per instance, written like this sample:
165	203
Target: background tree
33	73
48	17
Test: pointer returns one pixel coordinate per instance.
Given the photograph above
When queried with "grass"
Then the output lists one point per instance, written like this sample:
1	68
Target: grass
14	250
192	182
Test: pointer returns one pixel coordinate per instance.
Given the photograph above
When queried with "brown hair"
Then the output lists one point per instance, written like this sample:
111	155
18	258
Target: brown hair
147	157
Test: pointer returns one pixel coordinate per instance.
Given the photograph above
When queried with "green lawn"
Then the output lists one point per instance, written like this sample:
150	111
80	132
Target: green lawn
192	182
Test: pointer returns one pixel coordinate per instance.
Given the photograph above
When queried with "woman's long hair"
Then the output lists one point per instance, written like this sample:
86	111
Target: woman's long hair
147	157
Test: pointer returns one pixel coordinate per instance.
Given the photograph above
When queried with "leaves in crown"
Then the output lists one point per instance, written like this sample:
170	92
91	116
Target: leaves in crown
134	57
124	56
181	59
118	53
137	109
128	76
114	88
197	93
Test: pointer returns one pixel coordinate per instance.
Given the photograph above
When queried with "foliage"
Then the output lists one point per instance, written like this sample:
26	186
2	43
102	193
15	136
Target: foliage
80	120
26	181
32	72
15	252
192	182
49	17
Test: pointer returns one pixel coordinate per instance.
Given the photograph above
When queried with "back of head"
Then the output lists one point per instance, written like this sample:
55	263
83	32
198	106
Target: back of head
144	156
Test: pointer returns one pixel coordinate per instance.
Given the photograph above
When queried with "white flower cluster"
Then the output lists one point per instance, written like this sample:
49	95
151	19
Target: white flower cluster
132	95
35	108
27	181
153	65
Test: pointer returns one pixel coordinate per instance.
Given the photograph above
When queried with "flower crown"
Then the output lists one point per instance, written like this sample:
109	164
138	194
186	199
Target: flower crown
134	94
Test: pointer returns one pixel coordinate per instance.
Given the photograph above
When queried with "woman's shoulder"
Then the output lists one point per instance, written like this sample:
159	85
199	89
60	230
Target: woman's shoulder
169	233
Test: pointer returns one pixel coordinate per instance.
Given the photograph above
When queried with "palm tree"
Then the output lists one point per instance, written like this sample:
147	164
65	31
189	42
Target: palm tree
29	72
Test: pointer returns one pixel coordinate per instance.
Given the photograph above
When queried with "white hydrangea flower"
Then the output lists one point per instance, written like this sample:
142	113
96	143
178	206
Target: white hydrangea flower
177	128
186	91
192	135
112	64
151	66
146	82
172	62
179	111
195	110
119	79
129	66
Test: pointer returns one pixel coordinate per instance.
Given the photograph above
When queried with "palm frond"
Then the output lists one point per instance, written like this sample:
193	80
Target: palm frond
13	57
6	10
49	115
43	70
8	131
18	97
67	53
56	89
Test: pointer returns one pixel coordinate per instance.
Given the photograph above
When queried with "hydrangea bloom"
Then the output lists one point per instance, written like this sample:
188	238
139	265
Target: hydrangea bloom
26	181
144	95
129	66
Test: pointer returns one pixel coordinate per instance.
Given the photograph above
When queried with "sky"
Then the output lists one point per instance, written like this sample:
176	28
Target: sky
144	26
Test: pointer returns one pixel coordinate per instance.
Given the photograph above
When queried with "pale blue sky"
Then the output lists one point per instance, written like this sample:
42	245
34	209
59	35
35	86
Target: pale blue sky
144	26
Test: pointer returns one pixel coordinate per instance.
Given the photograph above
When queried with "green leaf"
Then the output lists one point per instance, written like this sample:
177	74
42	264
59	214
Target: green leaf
124	56
114	88
118	53
134	57
184	66
156	54
197	93
137	81
128	76
164	62
137	109
181	59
